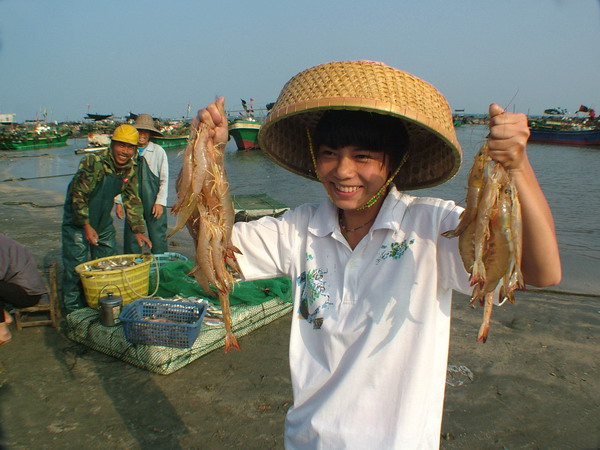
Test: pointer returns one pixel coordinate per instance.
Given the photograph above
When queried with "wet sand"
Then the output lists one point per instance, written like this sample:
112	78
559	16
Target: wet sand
536	382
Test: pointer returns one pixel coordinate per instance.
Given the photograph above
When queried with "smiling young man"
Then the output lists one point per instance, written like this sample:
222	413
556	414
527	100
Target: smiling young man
372	274
87	228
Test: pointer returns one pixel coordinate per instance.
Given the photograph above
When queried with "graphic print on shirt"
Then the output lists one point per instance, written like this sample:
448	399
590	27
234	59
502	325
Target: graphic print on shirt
313	295
395	250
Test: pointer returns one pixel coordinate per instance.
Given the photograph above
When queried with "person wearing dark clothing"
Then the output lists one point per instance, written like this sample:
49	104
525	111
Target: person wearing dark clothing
21	284
153	181
87	228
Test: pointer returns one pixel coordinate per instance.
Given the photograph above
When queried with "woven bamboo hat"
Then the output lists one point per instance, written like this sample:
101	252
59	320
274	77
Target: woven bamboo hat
434	154
146	122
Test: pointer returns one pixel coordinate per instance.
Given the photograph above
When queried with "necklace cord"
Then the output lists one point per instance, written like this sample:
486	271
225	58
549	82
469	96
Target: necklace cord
383	188
345	229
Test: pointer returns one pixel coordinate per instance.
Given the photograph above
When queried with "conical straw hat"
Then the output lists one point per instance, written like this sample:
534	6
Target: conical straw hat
434	152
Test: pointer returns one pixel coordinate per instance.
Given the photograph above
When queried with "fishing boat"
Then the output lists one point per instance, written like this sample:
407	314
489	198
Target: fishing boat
245	133
175	133
458	117
167	141
245	124
98	117
26	139
565	132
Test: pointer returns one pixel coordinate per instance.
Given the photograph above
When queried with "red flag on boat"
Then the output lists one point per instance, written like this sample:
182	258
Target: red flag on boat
583	108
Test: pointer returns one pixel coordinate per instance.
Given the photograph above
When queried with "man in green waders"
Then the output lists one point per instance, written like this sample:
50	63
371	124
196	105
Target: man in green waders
153	180
87	229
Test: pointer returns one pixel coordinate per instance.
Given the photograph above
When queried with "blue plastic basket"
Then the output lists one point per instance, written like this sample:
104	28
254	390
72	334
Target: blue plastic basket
163	258
162	322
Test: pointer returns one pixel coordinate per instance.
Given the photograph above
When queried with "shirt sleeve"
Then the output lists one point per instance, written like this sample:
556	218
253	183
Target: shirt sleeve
133	204
163	186
453	274
266	246
83	184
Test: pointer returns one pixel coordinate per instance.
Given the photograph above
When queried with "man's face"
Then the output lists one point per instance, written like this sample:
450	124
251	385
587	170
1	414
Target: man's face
144	138
122	152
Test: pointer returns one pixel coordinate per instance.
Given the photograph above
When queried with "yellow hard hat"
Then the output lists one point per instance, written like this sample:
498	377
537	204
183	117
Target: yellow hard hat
126	133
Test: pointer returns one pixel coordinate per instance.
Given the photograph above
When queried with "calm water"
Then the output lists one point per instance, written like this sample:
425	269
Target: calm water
568	175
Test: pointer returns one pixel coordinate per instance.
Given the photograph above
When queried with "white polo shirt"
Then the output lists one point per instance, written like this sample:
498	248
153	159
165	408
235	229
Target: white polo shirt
158	163
370	334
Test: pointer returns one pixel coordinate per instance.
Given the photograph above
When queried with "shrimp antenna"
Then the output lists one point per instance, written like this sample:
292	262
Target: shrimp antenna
511	100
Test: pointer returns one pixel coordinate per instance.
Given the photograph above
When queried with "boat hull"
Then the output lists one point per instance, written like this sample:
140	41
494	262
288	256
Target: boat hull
245	134
170	141
33	142
83	151
586	138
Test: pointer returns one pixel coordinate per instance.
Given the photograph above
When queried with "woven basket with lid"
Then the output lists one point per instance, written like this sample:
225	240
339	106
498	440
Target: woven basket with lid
434	152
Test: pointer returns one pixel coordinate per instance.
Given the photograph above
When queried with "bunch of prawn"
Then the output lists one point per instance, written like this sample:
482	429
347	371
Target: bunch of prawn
490	236
205	206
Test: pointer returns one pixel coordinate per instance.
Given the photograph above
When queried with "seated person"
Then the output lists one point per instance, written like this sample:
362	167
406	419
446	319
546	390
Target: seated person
21	284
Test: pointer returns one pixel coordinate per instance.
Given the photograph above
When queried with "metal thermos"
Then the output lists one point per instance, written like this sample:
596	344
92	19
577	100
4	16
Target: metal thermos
110	308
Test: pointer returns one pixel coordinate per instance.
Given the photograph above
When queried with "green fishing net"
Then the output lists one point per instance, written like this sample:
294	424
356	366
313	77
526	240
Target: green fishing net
174	281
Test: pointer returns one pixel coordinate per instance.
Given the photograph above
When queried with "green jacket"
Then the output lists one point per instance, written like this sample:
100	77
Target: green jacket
91	171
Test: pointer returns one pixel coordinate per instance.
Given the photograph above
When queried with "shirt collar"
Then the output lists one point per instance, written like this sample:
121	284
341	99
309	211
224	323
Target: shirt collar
325	219
149	148
391	212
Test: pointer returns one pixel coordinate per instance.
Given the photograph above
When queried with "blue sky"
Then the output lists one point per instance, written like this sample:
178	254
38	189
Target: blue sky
121	56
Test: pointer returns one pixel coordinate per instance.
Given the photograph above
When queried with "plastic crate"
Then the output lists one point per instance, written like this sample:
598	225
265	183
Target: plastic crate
162	322
163	258
129	282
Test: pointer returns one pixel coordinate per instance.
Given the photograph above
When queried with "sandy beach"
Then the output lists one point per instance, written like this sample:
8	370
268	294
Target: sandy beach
536	382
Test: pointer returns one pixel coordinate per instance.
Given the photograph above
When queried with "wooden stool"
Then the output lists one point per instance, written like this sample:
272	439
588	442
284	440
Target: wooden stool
29	317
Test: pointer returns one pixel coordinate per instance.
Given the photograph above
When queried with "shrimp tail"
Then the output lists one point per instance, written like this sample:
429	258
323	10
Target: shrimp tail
487	314
231	342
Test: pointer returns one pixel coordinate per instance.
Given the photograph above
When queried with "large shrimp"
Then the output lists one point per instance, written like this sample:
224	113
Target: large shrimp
475	182
498	257
489	235
205	207
484	329
191	178
497	260
485	209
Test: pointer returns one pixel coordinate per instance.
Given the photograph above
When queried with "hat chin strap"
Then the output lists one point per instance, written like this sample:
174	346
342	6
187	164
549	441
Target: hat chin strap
373	200
383	188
